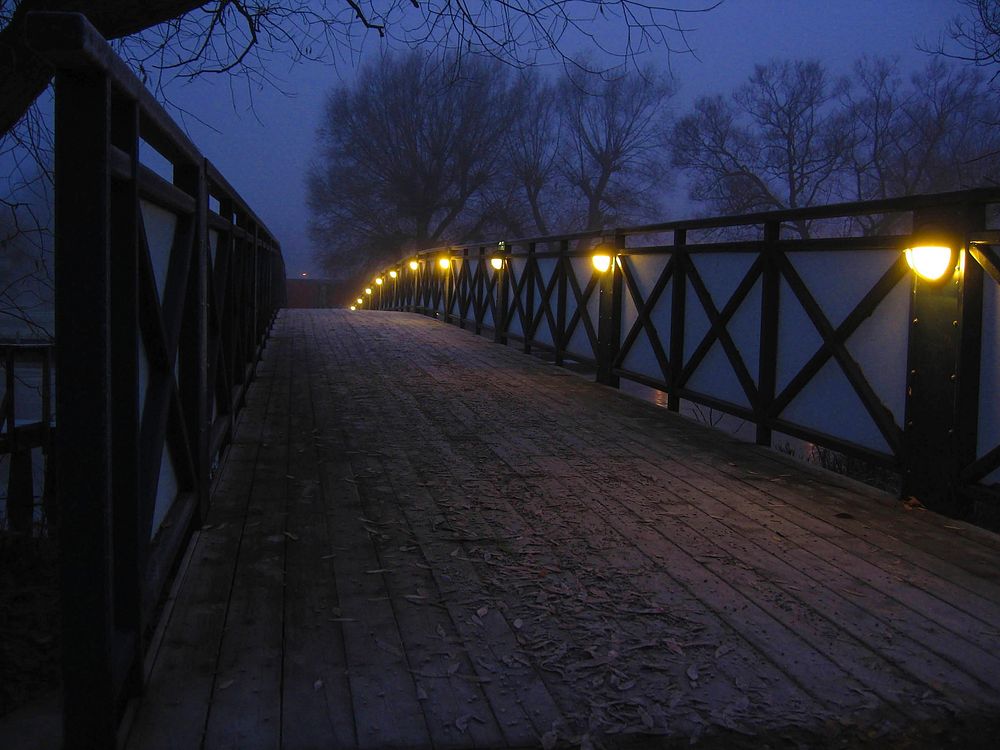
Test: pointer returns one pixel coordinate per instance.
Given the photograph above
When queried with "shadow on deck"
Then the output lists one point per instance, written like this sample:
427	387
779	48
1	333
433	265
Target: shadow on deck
421	539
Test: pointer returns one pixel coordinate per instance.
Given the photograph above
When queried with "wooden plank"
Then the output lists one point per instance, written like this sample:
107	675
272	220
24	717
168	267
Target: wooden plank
246	695
316	709
178	692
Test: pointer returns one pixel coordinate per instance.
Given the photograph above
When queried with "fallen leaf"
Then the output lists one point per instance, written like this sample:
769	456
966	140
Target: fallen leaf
518	623
692	673
482	611
318	685
290	535
226	684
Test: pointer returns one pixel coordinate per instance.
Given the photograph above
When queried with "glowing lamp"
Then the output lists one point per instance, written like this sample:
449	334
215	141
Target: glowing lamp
368	290
497	263
414	265
393	274
444	264
379	281
930	262
354	307
360	301
601	262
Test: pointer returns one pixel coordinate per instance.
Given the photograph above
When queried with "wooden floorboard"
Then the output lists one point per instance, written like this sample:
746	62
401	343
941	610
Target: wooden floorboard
421	539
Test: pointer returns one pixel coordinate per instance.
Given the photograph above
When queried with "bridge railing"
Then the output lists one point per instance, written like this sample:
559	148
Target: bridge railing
832	338
166	286
25	426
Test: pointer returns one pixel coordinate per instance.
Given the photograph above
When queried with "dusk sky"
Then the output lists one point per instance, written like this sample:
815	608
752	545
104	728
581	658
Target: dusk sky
266	153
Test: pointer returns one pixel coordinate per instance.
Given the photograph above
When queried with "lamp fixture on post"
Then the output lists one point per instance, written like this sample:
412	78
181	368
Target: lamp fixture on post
931	262
360	301
602	262
368	290
414	265
393	274
444	263
497	263
379	281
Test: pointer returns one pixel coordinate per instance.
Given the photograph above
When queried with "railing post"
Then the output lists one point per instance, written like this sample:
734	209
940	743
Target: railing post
562	268
479	295
943	362
84	405
678	302
193	351
769	306
458	299
502	302
609	325
528	306
130	535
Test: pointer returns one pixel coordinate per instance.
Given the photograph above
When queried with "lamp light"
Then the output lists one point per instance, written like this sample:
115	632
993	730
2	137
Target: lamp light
602	262
930	262
497	263
354	307
360	301
393	274
368	290
379	281
414	265
444	263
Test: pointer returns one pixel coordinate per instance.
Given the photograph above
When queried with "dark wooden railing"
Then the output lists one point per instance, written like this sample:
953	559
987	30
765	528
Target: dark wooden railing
166	287
834	341
22	433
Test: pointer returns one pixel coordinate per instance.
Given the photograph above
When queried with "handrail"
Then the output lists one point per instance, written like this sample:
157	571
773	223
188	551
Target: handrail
751	327
163	307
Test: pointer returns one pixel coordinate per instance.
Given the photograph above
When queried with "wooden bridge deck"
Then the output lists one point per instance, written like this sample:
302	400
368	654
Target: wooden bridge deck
422	539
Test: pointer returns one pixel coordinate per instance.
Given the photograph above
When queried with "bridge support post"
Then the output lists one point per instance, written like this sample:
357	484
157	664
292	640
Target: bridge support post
943	367
84	404
769	306
678	305
609	322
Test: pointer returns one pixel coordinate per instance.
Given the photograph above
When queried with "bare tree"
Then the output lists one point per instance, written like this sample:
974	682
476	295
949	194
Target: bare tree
242	37
406	155
531	149
933	135
777	142
975	34
612	150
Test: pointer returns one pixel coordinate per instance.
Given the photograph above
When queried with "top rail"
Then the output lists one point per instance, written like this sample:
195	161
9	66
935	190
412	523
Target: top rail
163	306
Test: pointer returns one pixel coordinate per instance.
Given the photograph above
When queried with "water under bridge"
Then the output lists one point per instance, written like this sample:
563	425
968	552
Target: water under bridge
367	528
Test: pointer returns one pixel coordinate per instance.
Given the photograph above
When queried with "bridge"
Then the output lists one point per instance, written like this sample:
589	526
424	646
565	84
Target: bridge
369	528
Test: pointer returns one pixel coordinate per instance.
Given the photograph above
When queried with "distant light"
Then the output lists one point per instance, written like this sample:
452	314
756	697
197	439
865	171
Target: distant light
353	307
360	301
379	281
303	274
393	274
497	263
414	265
930	262
444	263
368	290
601	262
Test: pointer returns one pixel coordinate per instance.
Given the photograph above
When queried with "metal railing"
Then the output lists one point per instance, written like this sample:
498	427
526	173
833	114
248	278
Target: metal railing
835	341
166	287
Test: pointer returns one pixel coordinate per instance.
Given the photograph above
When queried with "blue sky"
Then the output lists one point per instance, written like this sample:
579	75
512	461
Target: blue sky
265	152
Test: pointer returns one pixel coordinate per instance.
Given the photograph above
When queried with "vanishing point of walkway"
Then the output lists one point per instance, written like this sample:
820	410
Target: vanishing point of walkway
423	539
